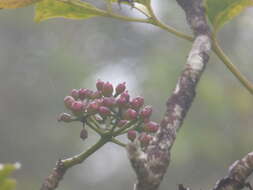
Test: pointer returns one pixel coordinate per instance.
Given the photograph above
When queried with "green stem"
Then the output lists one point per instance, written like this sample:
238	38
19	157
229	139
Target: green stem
78	159
156	22
118	132
131	128
97	130
220	53
116	141
172	30
107	13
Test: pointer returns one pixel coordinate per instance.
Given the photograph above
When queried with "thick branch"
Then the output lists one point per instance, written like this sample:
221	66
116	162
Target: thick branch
238	172
150	165
52	181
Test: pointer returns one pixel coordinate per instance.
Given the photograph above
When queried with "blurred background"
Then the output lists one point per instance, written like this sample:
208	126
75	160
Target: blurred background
41	62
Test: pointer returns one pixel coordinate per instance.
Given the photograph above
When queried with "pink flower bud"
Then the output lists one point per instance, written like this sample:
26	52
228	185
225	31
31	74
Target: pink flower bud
84	134
130	114
131	135
122	102
77	106
74	93
104	111
146	112
99	101
68	100
107	89
65	117
120	88
109	102
99	85
137	102
84	93
125	95
92	107
145	139
151	127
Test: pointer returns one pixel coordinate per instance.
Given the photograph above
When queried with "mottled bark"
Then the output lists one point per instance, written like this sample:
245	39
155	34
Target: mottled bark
150	165
238	173
52	181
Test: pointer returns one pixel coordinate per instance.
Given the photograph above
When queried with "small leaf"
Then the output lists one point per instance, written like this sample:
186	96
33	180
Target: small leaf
6	183
12	4
71	9
220	12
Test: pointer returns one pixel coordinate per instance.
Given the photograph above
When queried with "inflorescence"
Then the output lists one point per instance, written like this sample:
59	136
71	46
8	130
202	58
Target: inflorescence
110	111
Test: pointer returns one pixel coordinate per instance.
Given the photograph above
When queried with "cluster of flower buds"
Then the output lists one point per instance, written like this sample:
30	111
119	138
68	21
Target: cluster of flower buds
110	108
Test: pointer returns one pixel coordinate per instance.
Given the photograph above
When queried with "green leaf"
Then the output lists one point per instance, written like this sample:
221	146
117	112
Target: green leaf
5	171
71	9
12	4
220	12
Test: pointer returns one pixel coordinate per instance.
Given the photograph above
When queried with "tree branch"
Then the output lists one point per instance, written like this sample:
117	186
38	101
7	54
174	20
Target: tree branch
238	172
150	165
53	180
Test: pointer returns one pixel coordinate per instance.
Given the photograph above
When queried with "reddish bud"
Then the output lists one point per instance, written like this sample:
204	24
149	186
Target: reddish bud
77	106
130	114
84	134
107	89
68	100
99	85
99	101
84	93
65	117
146	112
137	102
122	102
121	123
125	95
92	107
151	127
131	135
74	93
109	101
104	111
145	139
120	88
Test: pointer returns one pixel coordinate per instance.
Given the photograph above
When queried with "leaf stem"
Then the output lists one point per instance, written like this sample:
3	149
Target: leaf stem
236	72
171	30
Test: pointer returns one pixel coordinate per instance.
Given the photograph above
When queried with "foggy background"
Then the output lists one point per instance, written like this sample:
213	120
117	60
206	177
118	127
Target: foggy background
41	62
